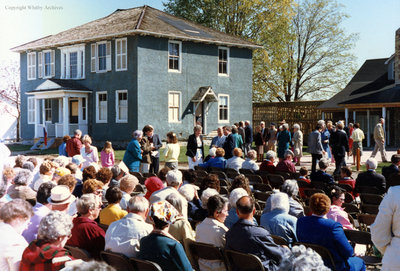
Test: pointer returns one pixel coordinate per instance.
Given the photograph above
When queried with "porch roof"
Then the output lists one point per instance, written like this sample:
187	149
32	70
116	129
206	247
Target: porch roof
57	88
204	94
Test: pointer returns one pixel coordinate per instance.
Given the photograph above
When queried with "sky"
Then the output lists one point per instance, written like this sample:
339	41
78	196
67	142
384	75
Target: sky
22	21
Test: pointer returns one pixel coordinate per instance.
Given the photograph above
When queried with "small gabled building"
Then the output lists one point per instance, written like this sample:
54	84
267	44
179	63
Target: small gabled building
134	67
372	93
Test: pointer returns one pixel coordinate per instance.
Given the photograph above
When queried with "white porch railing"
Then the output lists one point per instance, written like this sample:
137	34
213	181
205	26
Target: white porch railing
59	130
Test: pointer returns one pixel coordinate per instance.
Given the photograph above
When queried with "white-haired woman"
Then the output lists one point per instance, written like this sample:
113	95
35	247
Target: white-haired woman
234	196
48	252
297	142
133	153
195	150
88	152
15	216
302	258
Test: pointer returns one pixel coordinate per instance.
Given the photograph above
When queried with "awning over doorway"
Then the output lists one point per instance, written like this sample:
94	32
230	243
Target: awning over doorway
58	88
204	94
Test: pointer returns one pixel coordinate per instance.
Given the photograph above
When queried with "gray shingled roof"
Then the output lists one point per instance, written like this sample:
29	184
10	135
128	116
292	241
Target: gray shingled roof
369	79
137	21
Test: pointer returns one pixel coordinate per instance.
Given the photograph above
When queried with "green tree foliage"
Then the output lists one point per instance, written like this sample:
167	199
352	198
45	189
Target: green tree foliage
306	52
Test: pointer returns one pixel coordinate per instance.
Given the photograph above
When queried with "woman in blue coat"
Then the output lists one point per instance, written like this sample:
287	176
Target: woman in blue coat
283	139
133	153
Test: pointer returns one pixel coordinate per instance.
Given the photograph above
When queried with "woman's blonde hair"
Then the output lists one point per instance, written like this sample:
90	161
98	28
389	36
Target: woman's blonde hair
86	138
108	147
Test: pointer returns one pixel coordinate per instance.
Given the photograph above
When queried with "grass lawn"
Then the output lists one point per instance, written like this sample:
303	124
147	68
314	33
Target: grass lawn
378	170
119	154
18	147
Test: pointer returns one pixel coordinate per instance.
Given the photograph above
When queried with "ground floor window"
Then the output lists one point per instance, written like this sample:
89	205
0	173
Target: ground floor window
101	107
174	102
223	108
31	110
121	105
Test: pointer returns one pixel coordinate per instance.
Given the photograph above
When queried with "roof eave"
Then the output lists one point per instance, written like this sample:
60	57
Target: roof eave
133	32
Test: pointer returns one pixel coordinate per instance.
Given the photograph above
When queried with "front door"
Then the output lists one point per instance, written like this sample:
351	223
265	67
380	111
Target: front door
73	111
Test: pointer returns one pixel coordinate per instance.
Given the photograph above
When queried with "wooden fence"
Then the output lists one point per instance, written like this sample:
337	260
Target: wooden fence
305	113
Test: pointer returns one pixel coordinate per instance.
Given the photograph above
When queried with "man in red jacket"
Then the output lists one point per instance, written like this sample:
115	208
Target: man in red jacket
74	144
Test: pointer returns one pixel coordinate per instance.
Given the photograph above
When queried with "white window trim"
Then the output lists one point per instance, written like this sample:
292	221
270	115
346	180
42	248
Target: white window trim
227	61
179	109
180	56
98	106
117	119
126	54
108	57
32	65
66	74
44	63
219	117
33	111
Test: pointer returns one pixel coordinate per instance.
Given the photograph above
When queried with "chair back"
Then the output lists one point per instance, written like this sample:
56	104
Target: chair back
285	175
103	226
231	173
371	198
322	251
275	180
254	179
262	187
144	265
137	175
279	240
263	196
223	182
223	190
221	175
370	209
350	208
303	184
246	171
216	169
364	238
201	172
345	187
311	191
368	190
205	251
365	220
79	253
119	261
244	262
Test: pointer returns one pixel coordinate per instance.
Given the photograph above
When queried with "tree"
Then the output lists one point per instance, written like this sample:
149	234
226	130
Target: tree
10	97
317	60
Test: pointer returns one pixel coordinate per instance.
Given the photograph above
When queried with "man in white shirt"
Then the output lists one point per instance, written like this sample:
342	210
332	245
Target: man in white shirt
174	180
250	162
123	236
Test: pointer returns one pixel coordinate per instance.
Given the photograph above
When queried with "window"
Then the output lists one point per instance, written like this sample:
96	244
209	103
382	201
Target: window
223	61
47	64
120	54
83	108
31	110
101	107
47	110
73	62
100	56
121	106
31	66
46	67
174	56
174	101
223	108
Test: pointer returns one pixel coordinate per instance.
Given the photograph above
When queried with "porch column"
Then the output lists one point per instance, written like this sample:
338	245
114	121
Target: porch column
384	124
37	117
346	116
205	114
354	116
368	130
323	116
65	116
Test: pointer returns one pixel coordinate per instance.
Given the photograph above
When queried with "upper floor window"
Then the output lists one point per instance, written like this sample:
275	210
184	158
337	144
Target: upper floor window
46	67
121	105
223	61
100	56
73	62
223	108
174	56
31	63
174	106
121	54
101	107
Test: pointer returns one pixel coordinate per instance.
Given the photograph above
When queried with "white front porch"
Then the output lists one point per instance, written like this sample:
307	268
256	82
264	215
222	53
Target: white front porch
72	110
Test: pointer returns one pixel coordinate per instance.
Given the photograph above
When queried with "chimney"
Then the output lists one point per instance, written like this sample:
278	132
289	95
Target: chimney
397	58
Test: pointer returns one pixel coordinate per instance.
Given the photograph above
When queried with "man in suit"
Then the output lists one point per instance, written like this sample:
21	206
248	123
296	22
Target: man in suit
264	135
315	146
155	144
379	137
321	176
241	132
246	237
248	130
370	177
229	143
340	146
393	168
272	131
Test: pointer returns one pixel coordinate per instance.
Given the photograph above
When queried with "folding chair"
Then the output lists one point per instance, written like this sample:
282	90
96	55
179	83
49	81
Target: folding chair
311	191
262	187
223	190
246	171
263	196
279	240
79	253
119	261
365	220
204	251
242	261
285	175
144	265
364	238
322	251
254	179
373	199
275	180
370	209
231	173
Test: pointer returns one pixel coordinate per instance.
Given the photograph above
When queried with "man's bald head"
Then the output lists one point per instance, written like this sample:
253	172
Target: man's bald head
245	207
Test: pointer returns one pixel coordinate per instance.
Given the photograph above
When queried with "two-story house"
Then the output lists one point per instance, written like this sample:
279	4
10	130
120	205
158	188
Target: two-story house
134	67
372	93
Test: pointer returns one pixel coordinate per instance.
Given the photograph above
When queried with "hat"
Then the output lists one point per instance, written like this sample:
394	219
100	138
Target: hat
164	211
60	194
77	159
273	123
153	184
21	192
62	171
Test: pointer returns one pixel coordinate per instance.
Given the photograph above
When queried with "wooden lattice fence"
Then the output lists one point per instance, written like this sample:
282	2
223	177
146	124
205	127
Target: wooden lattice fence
305	113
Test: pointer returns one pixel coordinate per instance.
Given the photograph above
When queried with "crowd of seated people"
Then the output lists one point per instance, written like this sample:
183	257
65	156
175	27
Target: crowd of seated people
46	205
